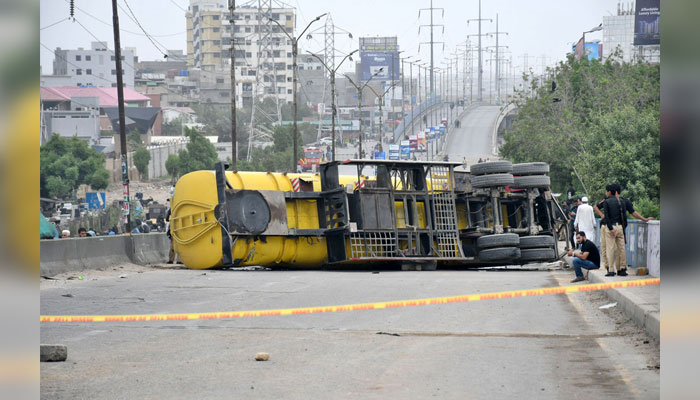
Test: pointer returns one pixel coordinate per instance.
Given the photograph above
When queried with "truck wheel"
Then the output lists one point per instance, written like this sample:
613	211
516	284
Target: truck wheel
491	167
533	168
493	180
531	242
532	181
498	240
537	255
499	254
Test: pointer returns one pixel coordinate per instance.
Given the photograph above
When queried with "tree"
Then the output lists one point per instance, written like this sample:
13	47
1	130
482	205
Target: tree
200	154
141	158
600	126
172	128
133	140
172	165
276	158
66	163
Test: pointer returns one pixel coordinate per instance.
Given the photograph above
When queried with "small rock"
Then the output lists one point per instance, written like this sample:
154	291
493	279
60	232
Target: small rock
53	352
67	295
122	276
262	356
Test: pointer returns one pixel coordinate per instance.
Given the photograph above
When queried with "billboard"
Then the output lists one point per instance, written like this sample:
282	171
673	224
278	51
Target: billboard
96	200
380	63
594	50
647	16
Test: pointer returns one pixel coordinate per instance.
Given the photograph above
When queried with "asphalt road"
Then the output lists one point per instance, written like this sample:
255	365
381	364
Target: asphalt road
473	139
551	347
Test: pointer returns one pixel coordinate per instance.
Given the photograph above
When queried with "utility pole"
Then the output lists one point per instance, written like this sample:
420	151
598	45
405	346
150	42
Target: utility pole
432	42
479	96
498	71
234	138
122	118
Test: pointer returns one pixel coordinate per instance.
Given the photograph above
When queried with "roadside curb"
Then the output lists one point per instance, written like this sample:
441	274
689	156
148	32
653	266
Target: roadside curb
640	304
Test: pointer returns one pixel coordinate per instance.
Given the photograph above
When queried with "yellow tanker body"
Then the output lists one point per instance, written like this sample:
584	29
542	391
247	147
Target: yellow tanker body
409	212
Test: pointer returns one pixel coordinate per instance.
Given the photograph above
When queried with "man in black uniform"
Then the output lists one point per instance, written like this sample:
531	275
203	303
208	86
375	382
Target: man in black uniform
587	257
598	208
615	209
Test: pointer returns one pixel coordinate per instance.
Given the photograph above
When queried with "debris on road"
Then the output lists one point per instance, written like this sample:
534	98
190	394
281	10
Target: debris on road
53	352
610	305
262	356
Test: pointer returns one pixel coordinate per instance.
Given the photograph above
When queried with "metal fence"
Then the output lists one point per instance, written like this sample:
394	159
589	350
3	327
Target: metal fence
642	244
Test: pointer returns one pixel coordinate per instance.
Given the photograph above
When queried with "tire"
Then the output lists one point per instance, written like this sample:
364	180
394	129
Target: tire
533	168
493	180
499	254
491	167
537	255
499	240
531	242
532	181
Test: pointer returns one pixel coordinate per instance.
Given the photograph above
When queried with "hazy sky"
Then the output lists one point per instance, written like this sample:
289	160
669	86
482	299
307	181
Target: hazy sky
535	27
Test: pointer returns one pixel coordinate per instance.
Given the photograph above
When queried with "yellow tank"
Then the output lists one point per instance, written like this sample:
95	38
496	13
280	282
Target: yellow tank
197	236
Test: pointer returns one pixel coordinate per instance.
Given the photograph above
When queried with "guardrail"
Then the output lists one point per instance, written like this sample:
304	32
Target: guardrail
642	246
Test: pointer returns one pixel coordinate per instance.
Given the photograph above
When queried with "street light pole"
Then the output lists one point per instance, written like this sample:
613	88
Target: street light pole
333	112
381	113
295	50
359	102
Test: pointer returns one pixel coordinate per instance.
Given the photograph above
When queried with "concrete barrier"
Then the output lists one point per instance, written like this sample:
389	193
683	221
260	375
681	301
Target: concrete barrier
79	254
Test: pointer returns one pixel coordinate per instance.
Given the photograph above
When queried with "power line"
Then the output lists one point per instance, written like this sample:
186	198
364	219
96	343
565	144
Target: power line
122	29
143	30
55	23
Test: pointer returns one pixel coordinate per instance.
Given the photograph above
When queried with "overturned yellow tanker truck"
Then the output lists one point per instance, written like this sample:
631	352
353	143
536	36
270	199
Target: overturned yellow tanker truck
413	214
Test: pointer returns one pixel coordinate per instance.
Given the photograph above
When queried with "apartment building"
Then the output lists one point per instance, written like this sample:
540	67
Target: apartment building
209	39
90	67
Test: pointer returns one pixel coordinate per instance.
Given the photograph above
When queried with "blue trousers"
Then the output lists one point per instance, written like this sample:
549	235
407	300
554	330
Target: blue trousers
579	263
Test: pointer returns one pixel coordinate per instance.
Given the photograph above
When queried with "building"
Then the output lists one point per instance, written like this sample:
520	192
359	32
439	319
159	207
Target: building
92	67
618	35
209	38
82	111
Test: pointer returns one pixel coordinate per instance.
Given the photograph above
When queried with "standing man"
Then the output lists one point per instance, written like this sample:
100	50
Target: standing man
616	209
585	219
586	257
572	217
604	231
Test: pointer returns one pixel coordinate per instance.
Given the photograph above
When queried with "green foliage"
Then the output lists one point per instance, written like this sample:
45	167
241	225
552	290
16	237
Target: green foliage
647	208
278	157
172	165
172	128
200	154
67	163
141	159
600	126
133	140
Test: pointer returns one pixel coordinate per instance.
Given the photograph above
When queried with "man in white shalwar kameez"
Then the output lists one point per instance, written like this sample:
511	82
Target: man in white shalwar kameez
585	219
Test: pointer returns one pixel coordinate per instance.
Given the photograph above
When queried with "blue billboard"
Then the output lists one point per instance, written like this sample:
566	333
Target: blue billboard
96	200
379	63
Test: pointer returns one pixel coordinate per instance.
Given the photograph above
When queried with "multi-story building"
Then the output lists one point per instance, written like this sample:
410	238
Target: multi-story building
209	39
91	67
618	35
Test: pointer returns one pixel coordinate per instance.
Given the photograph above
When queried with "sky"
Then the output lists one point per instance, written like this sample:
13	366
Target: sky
536	27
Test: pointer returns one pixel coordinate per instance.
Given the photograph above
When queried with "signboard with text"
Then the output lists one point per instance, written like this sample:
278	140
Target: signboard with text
647	17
